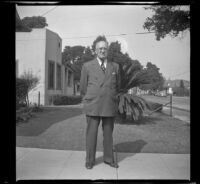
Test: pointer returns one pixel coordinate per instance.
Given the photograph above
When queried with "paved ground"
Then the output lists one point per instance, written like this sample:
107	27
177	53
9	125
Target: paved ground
33	163
183	115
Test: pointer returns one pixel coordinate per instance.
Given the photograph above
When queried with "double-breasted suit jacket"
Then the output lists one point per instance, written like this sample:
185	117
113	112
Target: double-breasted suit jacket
99	89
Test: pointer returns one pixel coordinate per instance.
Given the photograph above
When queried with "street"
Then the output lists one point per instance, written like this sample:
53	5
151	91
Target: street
179	102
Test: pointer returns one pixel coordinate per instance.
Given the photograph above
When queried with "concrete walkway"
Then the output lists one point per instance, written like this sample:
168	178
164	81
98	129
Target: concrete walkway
34	163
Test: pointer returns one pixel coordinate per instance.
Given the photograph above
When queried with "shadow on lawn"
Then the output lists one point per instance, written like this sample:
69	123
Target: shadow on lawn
128	148
43	120
145	120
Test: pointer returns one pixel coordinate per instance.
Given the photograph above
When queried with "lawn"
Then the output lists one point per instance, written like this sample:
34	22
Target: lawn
64	128
43	120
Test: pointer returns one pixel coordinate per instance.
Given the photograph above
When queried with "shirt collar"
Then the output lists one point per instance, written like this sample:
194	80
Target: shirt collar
105	62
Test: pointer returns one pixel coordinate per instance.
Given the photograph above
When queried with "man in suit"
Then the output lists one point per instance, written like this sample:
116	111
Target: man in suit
99	85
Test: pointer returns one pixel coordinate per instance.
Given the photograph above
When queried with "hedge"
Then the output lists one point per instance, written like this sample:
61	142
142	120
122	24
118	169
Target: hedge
66	100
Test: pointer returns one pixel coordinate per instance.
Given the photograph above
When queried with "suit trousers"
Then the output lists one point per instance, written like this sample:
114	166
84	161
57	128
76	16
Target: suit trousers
91	137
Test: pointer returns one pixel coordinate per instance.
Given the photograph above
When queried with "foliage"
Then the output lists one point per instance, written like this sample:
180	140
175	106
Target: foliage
156	80
167	20
25	113
132	74
21	92
35	22
19	26
132	104
31	81
74	57
115	54
182	84
66	100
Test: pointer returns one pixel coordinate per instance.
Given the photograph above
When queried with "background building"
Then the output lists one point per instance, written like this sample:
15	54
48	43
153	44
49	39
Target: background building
40	52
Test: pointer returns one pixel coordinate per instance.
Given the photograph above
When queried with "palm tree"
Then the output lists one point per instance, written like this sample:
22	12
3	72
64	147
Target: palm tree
132	75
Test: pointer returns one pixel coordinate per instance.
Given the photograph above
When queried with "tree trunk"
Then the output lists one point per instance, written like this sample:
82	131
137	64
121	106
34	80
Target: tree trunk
74	88
27	100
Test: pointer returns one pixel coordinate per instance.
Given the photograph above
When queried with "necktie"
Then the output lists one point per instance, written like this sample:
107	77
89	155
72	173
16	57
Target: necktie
103	67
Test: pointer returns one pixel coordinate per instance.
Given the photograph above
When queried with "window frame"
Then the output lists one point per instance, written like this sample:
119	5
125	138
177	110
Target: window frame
49	79
58	87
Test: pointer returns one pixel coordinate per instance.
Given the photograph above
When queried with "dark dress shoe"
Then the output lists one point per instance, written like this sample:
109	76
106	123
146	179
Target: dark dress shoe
88	165
112	164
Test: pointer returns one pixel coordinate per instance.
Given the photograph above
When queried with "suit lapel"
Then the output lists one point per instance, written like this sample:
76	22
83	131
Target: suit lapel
99	72
108	72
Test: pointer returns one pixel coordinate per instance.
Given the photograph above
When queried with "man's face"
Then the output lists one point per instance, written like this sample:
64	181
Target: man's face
102	50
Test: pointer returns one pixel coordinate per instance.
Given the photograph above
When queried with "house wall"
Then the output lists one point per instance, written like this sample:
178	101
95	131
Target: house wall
53	53
30	53
33	51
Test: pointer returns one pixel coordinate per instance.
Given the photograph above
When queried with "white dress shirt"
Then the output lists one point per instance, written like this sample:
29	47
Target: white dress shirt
105	62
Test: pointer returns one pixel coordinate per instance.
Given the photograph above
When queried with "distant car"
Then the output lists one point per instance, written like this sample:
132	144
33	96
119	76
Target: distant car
161	93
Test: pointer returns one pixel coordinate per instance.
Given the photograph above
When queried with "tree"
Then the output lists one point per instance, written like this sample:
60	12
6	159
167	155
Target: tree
132	75
156	81
74	57
88	55
31	81
71	56
167	20
35	22
21	92
182	84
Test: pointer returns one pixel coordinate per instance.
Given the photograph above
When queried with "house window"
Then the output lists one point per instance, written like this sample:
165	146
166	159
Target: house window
69	78
58	77
51	74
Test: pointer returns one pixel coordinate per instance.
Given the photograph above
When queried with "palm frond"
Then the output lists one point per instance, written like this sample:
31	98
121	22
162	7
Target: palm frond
133	104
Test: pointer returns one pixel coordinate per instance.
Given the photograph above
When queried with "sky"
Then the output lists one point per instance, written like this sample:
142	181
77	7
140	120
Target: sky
171	55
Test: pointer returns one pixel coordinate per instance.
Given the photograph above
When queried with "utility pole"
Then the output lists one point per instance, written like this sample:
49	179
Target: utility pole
170	93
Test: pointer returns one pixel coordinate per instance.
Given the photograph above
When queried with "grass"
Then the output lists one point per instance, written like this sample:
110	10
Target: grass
64	129
44	119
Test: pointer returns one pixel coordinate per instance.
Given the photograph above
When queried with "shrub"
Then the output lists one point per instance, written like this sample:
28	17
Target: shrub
21	92
66	100
31	82
24	84
25	113
132	104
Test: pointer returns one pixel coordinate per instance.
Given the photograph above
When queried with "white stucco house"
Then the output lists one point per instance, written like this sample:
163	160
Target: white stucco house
40	52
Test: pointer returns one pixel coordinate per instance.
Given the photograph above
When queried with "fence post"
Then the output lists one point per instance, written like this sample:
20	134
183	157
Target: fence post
171	105
39	99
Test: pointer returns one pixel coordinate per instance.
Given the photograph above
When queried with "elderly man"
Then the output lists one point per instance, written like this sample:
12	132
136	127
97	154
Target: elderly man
99	85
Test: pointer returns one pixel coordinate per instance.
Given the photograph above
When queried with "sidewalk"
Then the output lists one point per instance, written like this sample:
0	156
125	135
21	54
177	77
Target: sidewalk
34	163
178	113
